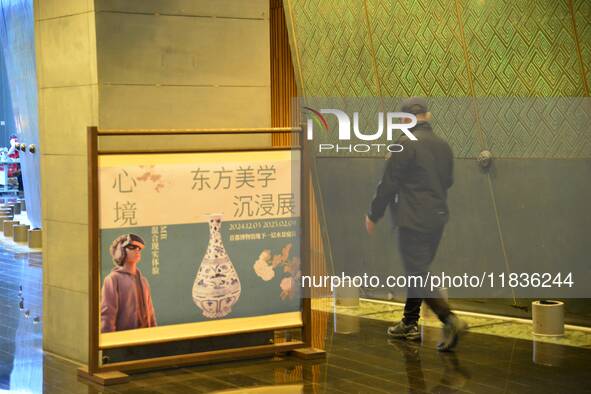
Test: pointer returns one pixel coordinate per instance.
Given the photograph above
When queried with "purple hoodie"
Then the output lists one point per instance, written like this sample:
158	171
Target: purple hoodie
126	303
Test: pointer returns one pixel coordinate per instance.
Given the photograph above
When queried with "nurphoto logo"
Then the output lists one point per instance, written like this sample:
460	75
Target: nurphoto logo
391	120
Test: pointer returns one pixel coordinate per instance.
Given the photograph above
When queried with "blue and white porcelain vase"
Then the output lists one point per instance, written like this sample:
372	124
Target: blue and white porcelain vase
217	286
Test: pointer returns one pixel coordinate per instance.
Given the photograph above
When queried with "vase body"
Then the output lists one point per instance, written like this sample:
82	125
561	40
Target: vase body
217	286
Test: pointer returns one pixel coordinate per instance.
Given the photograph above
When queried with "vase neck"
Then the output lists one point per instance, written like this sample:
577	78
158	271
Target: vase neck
215	225
215	248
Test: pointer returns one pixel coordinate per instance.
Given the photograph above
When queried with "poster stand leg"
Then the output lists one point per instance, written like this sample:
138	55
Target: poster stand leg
308	353
103	378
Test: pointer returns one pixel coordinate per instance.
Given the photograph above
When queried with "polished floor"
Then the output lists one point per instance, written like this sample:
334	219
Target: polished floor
360	359
479	323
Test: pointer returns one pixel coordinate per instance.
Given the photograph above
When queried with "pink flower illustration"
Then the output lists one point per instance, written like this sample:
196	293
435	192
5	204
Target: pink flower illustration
287	287
266	264
264	270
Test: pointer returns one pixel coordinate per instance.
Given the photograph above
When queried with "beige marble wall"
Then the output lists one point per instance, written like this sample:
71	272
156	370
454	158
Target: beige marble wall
131	64
183	64
68	102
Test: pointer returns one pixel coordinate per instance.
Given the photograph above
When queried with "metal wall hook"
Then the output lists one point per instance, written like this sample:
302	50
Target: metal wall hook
485	159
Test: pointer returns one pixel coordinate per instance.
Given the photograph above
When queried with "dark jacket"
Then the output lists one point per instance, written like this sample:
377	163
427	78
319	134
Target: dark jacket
415	183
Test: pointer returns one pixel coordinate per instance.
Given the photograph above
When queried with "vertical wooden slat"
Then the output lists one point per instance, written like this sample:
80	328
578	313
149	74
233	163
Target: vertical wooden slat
306	255
283	114
319	296
283	84
93	250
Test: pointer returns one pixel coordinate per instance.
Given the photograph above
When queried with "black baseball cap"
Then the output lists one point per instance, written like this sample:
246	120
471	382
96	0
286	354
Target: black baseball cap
414	105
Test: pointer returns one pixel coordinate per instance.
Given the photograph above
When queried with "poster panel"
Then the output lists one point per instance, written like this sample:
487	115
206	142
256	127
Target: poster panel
198	244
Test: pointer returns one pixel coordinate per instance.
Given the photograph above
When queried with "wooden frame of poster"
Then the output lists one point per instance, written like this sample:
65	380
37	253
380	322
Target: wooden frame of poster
113	373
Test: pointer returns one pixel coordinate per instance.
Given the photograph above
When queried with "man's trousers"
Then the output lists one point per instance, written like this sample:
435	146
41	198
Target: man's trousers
418	250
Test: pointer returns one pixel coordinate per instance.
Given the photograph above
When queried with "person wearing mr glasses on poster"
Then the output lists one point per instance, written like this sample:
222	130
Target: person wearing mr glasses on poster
126	299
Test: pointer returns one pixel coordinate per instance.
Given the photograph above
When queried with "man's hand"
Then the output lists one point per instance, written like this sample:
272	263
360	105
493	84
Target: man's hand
369	225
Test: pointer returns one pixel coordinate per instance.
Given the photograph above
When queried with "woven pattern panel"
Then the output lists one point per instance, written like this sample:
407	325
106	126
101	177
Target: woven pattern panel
538	57
458	49
333	48
418	48
522	127
522	48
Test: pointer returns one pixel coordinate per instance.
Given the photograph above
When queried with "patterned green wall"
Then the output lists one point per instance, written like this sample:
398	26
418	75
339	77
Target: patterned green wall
418	48
522	48
446	48
334	50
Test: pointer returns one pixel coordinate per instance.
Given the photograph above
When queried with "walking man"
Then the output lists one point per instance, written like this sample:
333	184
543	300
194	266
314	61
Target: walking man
414	185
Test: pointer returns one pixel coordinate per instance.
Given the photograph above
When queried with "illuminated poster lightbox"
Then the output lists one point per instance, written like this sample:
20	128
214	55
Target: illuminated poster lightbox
198	244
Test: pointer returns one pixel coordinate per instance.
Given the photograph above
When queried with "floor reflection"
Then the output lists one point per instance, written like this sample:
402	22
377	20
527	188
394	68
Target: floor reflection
453	378
360	358
21	358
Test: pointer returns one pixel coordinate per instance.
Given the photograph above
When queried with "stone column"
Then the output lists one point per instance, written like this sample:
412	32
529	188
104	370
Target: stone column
131	64
68	102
